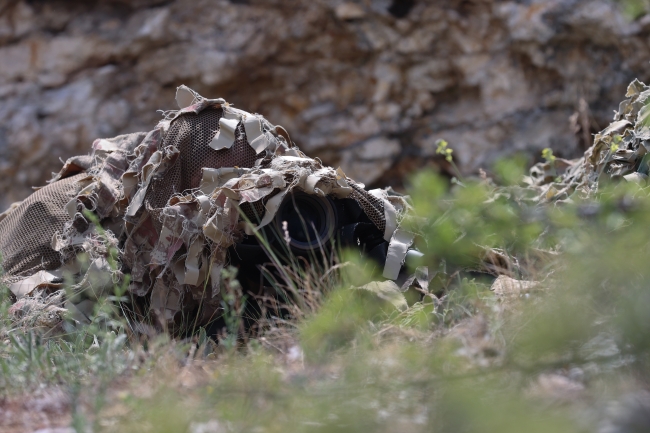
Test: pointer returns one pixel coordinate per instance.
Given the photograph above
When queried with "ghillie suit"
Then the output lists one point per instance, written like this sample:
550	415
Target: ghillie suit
620	151
171	202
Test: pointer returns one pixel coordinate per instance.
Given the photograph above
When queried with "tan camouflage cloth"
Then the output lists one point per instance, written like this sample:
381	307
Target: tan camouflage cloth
170	202
620	151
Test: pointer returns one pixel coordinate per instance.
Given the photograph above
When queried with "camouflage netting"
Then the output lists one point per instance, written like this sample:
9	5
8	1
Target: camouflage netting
619	151
168	202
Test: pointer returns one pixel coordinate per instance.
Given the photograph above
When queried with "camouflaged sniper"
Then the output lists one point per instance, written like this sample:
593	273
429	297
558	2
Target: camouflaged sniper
169	201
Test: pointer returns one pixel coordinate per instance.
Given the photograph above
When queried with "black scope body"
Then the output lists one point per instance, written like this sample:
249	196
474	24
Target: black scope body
307	225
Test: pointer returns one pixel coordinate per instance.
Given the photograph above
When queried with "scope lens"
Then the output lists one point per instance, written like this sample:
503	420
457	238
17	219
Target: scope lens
310	220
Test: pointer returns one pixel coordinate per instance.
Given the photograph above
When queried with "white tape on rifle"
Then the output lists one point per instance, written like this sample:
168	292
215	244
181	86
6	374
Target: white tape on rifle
390	214
397	249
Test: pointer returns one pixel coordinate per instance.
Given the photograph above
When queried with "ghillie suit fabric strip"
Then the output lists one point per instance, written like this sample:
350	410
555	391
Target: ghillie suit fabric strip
171	202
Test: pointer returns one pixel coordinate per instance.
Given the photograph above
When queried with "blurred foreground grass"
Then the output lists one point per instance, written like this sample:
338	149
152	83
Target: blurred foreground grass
563	336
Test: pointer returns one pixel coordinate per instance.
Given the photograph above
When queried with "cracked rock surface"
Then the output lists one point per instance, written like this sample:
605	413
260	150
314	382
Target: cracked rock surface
369	85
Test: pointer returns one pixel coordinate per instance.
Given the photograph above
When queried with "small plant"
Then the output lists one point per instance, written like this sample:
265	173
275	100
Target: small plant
634	9
233	304
548	156
442	148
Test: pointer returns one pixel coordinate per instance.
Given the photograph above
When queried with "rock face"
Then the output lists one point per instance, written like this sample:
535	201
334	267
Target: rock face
370	85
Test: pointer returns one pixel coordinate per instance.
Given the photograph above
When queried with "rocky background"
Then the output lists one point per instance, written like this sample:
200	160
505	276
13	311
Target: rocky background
367	84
